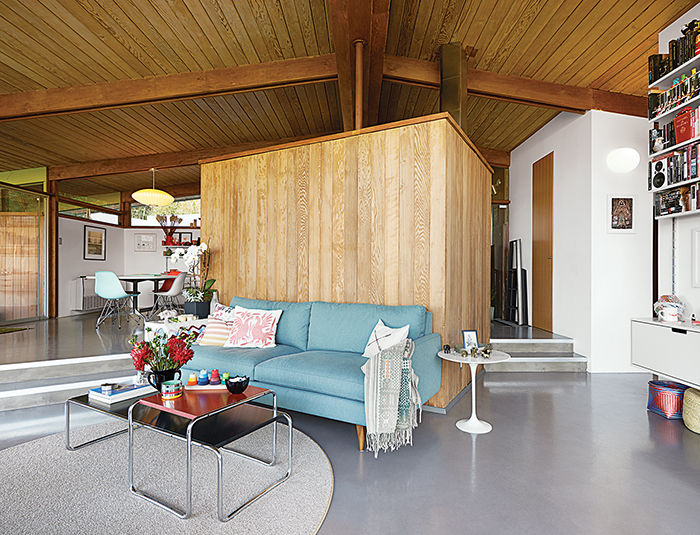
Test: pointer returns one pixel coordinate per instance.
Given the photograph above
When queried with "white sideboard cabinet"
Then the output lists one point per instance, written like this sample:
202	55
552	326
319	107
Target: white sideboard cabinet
668	349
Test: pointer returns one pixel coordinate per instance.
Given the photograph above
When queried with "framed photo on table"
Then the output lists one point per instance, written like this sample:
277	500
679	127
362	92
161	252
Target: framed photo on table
184	237
470	339
94	243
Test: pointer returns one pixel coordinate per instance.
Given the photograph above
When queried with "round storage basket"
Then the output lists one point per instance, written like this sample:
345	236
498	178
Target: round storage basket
691	409
666	399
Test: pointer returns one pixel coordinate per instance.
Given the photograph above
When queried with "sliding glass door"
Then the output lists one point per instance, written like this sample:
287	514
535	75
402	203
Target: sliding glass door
22	255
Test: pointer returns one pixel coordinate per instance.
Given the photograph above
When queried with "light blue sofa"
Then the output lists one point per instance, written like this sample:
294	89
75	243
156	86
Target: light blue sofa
315	368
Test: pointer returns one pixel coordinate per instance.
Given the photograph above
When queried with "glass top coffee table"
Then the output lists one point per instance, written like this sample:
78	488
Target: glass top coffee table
210	420
213	420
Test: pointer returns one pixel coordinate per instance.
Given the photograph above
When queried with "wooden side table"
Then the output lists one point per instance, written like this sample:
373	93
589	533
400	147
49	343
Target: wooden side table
473	425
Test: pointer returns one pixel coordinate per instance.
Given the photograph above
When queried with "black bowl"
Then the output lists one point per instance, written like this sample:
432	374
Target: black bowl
237	385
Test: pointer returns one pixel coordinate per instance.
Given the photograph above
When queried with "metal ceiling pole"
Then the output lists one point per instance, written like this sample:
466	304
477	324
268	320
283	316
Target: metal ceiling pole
359	69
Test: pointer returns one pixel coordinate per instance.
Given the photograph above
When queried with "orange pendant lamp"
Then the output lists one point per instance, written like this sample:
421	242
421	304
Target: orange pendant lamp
153	196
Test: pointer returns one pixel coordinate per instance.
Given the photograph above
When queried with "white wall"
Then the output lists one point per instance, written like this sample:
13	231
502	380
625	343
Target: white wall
600	280
568	136
149	262
673	31
121	258
621	264
70	257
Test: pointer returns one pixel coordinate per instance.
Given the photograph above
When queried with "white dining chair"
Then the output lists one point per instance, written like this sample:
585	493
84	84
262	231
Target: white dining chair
167	300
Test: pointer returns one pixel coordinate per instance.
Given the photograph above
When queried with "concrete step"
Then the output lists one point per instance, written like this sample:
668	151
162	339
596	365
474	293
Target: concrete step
510	346
29	371
47	382
546	362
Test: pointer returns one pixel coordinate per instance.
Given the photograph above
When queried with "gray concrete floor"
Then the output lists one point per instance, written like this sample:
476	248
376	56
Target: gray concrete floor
570	453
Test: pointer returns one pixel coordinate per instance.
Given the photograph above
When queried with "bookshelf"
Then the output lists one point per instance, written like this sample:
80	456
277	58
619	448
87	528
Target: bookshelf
674	116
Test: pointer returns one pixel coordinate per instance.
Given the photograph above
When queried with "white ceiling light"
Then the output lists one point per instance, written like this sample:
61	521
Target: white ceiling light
623	160
153	196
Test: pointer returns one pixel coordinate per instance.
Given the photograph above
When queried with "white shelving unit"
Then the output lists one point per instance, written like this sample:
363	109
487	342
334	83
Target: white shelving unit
665	83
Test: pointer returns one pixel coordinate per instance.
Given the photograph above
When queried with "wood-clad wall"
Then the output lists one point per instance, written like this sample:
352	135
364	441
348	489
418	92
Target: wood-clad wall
397	215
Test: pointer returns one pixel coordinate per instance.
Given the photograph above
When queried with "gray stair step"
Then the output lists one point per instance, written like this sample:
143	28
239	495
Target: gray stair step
29	371
533	346
31	384
570	362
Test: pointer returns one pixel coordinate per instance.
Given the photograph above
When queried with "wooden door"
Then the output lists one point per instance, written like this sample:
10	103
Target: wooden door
542	235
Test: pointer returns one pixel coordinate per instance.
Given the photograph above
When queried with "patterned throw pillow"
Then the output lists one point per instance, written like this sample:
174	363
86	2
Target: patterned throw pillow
383	337
216	332
253	328
222	312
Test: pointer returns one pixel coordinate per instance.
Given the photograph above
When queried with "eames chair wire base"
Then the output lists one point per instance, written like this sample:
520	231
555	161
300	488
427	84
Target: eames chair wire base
163	303
118	307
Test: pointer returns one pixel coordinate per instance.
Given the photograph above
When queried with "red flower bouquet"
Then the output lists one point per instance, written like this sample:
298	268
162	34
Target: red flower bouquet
162	352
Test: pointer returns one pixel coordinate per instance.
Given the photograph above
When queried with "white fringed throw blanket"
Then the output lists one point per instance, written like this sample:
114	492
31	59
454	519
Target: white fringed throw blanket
392	402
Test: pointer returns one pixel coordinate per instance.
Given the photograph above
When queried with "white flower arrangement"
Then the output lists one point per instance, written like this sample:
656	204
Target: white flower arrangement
196	258
191	255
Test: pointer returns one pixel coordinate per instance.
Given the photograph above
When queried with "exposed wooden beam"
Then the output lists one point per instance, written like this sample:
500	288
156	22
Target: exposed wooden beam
377	46
412	71
166	160
167	88
515	89
496	158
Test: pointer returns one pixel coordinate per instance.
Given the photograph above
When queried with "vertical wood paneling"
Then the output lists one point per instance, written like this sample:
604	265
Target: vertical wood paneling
392	218
338	221
397	216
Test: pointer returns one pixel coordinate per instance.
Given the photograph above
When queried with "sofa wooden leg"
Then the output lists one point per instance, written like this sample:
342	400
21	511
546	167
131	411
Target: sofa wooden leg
361	434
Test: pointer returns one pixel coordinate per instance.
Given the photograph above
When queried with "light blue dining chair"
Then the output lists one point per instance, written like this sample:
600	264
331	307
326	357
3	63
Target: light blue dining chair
109	287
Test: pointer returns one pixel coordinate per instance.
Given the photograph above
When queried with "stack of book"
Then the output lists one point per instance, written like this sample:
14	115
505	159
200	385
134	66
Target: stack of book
120	392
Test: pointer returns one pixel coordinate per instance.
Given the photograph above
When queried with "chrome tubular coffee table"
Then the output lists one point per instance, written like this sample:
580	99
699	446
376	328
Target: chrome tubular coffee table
216	419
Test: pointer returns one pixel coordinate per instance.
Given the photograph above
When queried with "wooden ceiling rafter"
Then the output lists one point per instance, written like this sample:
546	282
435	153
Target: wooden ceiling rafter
136	164
167	88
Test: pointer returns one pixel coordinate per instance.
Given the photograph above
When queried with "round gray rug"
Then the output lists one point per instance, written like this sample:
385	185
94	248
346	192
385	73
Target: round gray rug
48	489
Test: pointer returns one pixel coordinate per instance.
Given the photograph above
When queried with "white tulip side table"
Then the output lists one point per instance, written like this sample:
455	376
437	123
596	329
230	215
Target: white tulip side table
473	425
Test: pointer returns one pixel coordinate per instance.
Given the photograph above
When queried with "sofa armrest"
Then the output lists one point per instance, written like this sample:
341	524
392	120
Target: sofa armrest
427	365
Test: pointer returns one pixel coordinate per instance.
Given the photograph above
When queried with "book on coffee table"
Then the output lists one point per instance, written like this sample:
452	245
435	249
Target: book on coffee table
120	392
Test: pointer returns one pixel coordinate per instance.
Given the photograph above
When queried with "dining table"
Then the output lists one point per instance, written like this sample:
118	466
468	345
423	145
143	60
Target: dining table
137	278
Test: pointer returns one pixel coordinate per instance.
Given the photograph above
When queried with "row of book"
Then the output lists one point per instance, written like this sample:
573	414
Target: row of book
677	200
684	89
684	127
680	51
676	167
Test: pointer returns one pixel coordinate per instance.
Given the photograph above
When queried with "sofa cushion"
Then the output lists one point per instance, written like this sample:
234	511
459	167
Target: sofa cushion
327	372
234	360
347	327
253	328
293	326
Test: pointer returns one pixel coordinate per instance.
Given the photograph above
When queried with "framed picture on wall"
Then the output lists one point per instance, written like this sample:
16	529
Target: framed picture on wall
145	243
621	215
94	243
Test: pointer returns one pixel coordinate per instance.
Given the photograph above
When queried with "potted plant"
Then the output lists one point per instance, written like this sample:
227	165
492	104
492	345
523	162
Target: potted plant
198	295
161	358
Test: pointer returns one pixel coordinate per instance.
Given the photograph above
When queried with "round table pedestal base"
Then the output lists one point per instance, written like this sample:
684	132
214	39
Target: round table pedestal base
474	426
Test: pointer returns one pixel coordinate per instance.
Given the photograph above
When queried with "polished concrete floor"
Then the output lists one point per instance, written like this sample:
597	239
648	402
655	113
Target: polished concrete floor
570	453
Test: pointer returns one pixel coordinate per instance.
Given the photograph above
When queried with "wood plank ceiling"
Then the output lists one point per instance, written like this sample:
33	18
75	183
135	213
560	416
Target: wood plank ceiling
47	44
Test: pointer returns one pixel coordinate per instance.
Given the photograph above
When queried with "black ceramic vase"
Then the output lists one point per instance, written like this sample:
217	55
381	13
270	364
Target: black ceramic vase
158	377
